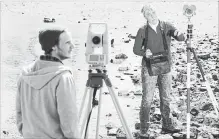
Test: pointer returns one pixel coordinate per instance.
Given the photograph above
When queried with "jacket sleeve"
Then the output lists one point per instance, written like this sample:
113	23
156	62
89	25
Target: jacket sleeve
173	32
18	109
67	106
137	49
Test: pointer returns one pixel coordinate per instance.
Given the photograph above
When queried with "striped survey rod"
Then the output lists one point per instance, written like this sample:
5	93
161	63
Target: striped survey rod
189	11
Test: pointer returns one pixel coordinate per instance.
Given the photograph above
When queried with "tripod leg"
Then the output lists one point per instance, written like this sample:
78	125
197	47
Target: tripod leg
98	115
87	110
119	111
82	102
210	93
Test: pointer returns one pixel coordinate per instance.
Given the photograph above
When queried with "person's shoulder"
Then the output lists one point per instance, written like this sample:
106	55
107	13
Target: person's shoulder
66	72
166	24
142	28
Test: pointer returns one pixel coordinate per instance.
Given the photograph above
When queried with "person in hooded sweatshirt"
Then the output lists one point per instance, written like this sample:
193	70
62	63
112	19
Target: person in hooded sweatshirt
46	98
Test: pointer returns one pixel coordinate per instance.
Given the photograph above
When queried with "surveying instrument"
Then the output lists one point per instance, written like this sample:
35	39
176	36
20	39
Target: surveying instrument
189	11
97	55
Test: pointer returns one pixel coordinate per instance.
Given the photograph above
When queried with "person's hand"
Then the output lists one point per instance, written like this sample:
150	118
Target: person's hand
148	53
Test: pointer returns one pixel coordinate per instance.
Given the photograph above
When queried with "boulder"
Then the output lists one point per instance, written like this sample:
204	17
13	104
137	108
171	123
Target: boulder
194	112
131	36
215	77
120	134
204	56
207	106
123	69
137	126
112	43
121	56
165	136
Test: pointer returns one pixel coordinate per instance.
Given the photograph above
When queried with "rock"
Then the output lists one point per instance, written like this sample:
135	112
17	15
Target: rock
178	136
131	36
84	18
204	56
195	124
105	93
136	135
5	132
116	61
135	79
48	20
137	126
215	132
181	77
215	77
121	56
138	93
192	135
215	125
112	43
128	73
109	115
200	120
166	136
123	93
127	41
213	41
201	42
120	134
123	69
156	116
112	132
202	89
109	126
207	106
79	21
198	75
210	119
194	112
180	50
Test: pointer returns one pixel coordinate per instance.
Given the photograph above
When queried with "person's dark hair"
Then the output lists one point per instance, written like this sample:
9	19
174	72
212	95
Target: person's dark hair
49	37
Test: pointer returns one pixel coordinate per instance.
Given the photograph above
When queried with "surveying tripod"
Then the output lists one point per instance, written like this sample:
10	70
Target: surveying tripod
209	90
95	82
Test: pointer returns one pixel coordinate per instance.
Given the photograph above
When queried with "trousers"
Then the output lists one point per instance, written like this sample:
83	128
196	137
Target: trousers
148	88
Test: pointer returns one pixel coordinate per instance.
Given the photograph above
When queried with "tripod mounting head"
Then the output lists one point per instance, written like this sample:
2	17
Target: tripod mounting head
189	10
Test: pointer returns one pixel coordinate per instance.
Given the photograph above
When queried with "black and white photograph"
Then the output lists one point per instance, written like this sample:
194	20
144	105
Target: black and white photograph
119	69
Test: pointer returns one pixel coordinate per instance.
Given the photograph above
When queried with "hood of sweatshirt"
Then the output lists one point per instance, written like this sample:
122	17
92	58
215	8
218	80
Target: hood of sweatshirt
38	74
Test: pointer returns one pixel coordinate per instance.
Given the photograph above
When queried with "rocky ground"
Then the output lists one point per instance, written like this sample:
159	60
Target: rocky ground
21	22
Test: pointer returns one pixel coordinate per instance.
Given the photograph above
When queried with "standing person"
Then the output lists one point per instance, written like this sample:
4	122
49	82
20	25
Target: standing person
46	98
151	39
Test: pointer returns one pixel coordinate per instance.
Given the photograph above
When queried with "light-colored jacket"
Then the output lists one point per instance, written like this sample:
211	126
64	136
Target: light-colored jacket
46	102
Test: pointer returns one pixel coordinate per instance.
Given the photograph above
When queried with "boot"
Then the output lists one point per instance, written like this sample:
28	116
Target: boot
171	129
170	126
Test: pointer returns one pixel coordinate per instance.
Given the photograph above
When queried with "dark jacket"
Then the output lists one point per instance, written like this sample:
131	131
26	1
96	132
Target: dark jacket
169	30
